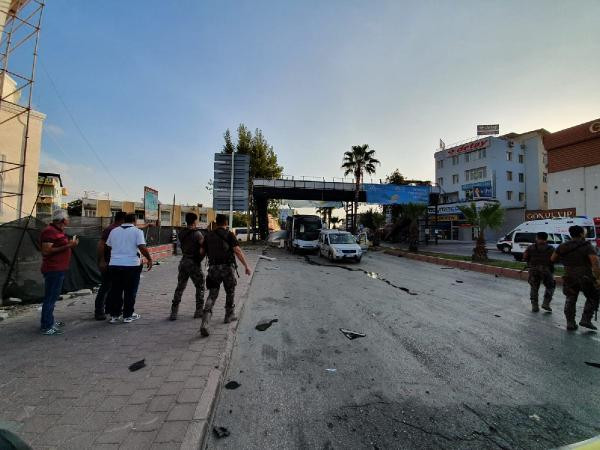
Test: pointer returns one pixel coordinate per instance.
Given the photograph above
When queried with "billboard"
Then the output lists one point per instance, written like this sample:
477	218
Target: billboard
469	147
563	213
394	194
474	191
222	181
483	130
150	204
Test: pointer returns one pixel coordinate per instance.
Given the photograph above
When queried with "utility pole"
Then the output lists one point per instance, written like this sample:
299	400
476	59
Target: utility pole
231	192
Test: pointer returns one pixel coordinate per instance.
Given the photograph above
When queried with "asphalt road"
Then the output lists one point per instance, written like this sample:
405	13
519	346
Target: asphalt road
443	364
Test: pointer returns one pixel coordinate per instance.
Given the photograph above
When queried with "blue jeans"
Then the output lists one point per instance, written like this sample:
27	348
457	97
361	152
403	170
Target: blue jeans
53	282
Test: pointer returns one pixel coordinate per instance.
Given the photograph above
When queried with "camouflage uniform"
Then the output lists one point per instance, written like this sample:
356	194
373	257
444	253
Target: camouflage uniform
189	267
578	278
540	271
219	246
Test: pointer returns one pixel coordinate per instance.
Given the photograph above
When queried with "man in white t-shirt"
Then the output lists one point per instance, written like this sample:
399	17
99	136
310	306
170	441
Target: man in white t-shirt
126	242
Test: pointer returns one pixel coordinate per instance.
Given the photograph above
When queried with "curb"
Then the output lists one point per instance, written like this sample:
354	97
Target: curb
515	274
197	432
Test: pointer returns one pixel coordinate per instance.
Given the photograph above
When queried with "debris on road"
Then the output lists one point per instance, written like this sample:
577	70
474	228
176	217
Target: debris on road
331	370
535	417
497	315
221	432
593	364
459	281
271	267
137	365
232	385
262	326
352	334
268	258
446	268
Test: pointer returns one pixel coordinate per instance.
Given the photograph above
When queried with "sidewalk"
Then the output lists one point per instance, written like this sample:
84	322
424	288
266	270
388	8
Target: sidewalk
75	391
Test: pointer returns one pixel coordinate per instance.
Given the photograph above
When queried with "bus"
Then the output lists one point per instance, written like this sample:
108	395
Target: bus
303	233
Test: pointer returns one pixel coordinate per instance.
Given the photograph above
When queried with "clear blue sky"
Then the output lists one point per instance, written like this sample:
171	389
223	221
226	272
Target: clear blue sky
154	84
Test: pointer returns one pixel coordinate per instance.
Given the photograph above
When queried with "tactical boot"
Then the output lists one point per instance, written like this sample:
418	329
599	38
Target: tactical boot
571	325
546	306
204	326
174	310
198	314
535	307
230	317
587	323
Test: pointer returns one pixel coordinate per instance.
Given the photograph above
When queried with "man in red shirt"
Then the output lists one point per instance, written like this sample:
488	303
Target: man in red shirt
103	252
56	256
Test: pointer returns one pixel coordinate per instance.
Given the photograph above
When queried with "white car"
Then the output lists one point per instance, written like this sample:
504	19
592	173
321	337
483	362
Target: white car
339	245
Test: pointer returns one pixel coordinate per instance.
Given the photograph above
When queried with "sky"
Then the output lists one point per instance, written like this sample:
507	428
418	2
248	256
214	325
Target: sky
140	92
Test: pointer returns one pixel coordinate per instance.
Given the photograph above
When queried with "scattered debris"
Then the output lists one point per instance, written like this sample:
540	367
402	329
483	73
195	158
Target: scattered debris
497	315
232	385
459	281
262	326
268	258
13	300
593	364
221	432
331	370
446	268
535	417
137	365
352	334
272	268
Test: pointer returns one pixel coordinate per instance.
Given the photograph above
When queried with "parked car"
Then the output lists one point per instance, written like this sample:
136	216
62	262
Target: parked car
505	243
339	245
242	233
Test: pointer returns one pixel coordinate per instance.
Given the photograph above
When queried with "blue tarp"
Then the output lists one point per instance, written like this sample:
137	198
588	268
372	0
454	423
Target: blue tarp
394	194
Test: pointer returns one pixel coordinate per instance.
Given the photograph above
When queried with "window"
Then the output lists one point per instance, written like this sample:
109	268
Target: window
509	156
521	196
545	177
521	159
545	159
509	195
546	198
521	178
524	237
476	174
90	213
455	179
455	160
440	181
481	154
467	157
508	175
440	163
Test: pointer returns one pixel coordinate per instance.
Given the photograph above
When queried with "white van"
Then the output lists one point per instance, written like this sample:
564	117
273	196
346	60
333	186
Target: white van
558	232
336	245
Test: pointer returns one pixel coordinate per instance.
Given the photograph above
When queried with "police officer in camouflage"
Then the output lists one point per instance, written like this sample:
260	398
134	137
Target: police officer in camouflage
582	274
222	248
190	239
541	270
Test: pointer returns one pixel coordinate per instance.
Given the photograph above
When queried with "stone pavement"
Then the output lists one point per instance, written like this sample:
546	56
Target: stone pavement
75	391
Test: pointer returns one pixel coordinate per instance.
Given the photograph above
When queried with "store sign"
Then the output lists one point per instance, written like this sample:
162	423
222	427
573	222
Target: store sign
483	130
595	127
474	191
150	204
448	218
452	209
470	147
542	214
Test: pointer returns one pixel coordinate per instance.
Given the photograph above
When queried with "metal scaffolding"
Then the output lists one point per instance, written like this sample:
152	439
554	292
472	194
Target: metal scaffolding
18	58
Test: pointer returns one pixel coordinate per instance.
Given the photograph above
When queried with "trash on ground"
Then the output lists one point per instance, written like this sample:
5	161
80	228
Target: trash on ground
459	281
535	417
137	365
593	364
331	370
262	326
351	334
268	258
221	432
272	268
232	385
497	315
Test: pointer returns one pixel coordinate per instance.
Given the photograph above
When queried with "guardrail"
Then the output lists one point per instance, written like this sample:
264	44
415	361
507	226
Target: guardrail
305	184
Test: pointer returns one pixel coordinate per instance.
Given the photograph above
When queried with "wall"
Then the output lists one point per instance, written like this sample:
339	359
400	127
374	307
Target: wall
576	188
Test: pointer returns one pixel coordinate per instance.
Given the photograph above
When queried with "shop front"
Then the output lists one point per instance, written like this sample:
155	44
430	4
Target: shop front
450	223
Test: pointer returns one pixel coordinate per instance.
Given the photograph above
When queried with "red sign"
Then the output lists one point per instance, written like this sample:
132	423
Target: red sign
550	214
470	147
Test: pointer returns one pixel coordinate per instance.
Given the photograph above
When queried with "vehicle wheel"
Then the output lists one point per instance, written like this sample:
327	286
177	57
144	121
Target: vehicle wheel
331	258
505	249
358	259
518	257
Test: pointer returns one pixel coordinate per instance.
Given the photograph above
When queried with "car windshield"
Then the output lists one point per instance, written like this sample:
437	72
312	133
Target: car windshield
590	232
309	230
525	237
341	238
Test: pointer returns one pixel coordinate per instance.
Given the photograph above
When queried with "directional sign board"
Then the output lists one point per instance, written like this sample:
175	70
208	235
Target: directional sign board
222	181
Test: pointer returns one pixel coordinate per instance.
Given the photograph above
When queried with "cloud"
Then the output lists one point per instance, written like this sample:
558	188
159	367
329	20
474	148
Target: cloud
54	130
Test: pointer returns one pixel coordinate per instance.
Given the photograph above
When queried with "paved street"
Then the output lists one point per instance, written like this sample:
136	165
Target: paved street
451	359
75	391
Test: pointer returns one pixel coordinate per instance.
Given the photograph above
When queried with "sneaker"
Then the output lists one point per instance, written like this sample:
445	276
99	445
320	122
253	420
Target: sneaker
58	325
114	319
52	332
100	316
588	324
546	307
134	316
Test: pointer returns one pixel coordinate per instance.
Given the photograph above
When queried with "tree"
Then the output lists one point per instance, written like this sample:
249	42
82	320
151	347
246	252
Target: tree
357	161
334	221
228	147
325	214
372	220
490	216
412	212
394	178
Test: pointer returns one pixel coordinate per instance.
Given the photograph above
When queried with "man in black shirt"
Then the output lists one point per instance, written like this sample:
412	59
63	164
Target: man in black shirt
222	248
541	270
582	274
190	240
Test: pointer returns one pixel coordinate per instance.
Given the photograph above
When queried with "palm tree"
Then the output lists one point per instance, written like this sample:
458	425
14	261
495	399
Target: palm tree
334	221
413	211
490	216
325	214
357	161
